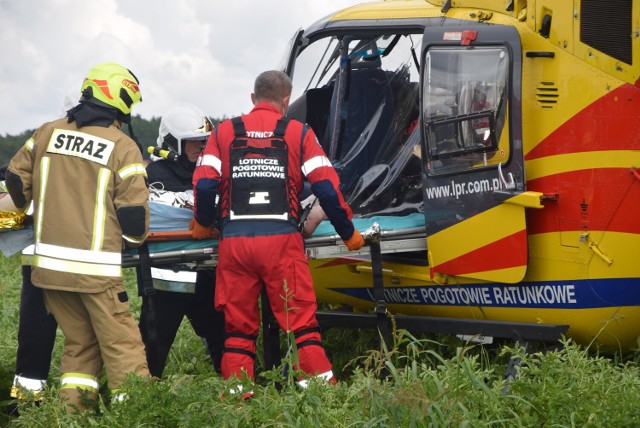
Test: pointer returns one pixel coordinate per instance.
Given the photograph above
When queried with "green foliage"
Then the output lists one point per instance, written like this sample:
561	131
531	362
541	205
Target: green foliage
146	131
418	382
9	145
574	388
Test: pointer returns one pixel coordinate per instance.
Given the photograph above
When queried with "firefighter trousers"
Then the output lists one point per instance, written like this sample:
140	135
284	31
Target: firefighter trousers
99	331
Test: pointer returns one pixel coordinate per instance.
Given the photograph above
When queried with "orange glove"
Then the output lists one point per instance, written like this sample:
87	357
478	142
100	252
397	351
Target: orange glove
355	242
199	231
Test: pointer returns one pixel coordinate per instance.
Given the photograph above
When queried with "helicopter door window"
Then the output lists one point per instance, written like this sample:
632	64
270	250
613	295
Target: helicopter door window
464	107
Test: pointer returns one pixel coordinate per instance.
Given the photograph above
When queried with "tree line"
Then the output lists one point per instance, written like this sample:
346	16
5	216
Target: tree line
145	130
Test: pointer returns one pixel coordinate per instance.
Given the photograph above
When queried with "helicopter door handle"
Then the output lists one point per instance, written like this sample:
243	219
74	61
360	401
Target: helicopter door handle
511	184
419	275
540	54
594	247
528	199
369	269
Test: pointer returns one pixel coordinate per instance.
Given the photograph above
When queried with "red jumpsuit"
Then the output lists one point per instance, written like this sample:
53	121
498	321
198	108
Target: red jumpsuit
264	247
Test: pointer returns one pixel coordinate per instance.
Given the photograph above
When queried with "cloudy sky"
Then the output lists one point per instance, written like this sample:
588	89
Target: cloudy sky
206	52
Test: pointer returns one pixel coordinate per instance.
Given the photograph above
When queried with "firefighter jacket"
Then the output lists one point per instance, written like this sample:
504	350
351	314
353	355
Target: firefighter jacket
305	160
89	194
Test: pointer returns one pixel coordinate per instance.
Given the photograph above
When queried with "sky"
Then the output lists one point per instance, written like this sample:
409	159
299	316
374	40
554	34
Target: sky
205	52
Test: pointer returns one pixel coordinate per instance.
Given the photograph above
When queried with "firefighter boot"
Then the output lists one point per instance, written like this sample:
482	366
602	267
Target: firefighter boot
78	400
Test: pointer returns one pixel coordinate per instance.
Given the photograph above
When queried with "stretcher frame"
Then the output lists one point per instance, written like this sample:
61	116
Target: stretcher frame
324	247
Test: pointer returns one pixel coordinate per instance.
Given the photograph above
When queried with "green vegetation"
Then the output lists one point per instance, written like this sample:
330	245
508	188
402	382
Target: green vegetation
9	145
428	384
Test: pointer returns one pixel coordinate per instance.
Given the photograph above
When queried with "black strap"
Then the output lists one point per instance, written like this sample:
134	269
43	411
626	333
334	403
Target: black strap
239	144
241	335
378	294
309	343
145	270
149	296
304	331
240	351
281	127
238	127
378	283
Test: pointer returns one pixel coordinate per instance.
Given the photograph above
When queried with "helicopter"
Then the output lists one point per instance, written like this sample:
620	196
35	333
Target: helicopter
497	144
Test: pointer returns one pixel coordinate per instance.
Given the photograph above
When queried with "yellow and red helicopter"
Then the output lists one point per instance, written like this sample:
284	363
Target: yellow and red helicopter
497	142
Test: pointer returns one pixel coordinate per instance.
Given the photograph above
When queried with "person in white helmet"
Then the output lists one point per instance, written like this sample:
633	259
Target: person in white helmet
183	132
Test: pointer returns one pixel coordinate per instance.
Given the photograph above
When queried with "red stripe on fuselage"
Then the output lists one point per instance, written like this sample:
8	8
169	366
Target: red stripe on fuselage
610	123
504	253
590	199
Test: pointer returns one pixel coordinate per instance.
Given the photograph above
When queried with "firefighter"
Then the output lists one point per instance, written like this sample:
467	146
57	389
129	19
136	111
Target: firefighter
183	132
256	164
87	183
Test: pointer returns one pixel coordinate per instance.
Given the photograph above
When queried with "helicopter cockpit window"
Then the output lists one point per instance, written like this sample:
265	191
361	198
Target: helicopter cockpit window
360	95
464	107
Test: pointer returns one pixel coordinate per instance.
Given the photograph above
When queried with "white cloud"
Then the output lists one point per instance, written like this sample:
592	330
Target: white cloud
198	51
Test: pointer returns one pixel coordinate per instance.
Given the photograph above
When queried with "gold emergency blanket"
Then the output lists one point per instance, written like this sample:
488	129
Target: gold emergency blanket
11	221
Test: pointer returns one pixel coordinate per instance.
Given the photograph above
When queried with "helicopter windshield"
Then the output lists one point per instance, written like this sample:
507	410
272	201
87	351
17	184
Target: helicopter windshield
360	94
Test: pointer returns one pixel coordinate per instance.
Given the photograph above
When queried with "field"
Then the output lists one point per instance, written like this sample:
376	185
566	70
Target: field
420	382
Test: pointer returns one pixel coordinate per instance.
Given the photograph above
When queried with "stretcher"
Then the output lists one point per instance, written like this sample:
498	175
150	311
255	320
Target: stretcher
170	242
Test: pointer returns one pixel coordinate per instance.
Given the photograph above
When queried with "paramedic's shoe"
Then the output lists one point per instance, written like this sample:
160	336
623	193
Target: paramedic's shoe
327	378
238	390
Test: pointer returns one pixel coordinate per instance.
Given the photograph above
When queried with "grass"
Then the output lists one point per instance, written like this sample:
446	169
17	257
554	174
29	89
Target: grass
429	383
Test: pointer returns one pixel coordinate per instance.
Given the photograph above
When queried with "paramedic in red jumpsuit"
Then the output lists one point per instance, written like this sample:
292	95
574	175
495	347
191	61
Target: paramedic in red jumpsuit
260	244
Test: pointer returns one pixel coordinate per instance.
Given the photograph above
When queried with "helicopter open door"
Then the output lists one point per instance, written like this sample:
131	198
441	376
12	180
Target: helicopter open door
289	53
474	187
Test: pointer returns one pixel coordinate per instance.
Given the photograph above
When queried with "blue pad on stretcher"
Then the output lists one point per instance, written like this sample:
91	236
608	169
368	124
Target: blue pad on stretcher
170	218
